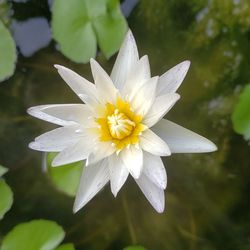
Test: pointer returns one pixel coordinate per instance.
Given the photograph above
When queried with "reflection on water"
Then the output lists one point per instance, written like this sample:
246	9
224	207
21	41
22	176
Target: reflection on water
31	35
208	194
127	6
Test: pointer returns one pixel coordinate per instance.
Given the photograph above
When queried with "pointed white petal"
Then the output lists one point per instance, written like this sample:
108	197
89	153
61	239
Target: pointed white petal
154	169
125	61
118	173
160	107
138	76
79	113
99	152
144	98
132	158
82	87
76	152
170	81
153	144
182	140
154	194
104	85
58	139
38	112
93	179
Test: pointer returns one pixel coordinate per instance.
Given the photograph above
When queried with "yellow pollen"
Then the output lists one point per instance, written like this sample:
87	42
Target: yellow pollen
118	124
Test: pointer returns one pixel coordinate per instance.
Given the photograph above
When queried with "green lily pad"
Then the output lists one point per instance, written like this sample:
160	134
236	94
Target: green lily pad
241	115
3	170
134	248
79	28
67	177
66	247
34	235
110	29
6	199
7	52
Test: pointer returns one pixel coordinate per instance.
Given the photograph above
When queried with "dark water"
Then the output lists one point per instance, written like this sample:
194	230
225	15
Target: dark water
207	199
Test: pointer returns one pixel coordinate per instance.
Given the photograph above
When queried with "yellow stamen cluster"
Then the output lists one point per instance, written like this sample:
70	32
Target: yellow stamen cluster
119	124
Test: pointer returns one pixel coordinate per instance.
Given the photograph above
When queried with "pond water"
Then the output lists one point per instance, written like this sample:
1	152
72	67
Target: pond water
207	198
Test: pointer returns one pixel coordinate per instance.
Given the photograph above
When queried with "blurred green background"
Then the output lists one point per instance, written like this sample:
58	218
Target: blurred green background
207	198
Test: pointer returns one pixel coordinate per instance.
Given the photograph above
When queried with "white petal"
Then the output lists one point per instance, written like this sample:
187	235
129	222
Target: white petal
154	194
154	169
104	85
100	151
58	139
153	144
76	152
125	61
182	140
82	87
133	160
38	112
144	98
170	81
138	76
93	179
118	173
160	107
79	113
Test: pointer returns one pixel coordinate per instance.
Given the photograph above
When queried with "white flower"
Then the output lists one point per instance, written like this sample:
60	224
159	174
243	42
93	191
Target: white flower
119	130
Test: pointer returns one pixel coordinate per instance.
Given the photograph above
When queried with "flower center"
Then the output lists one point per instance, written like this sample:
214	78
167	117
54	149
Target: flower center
120	126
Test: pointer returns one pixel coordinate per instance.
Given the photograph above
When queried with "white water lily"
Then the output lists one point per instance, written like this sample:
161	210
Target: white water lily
119	129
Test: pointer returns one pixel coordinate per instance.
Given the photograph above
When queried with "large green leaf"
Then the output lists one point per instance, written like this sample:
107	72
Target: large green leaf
79	26
6	199
34	235
66	247
134	248
110	29
3	170
5	11
241	114
7	53
67	177
72	29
